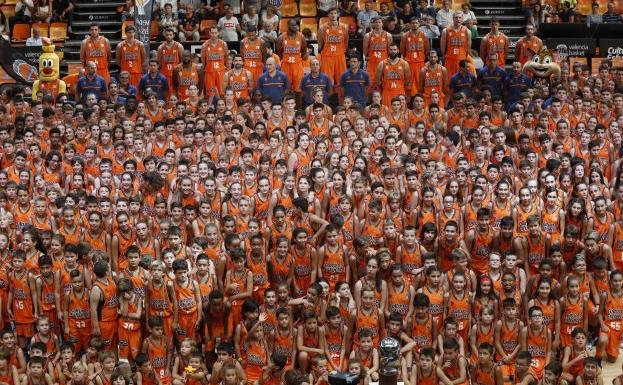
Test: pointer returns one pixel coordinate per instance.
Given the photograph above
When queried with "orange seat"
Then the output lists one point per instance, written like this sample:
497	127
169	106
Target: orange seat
289	10
21	32
283	24
311	23
58	31
44	29
9	2
125	24
323	20
204	27
8	10
308	8
349	21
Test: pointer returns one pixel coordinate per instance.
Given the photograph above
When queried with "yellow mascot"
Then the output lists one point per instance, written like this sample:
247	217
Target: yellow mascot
49	73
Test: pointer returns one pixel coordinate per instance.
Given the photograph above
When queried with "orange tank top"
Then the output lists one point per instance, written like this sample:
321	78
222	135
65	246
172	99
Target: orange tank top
186	301
433	81
367	321
572	315
215	56
292	49
131	58
537	343
252	54
159	301
97	51
110	300
378	47
170	58
23	308
393	76
415	48
79	310
456	43
239	84
186	77
334	41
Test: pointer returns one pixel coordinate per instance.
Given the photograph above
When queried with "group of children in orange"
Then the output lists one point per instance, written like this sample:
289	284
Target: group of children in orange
233	244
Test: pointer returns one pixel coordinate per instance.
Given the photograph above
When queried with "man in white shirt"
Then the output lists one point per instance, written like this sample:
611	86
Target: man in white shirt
229	25
444	15
35	39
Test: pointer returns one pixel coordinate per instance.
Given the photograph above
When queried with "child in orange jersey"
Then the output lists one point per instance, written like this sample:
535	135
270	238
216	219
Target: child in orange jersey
45	336
16	353
145	372
22	307
182	360
507	341
409	254
592	373
319	374
205	277
229	375
367	354
255	355
394	330
485	372
537	339
36	373
216	330
457	303
108	360
336	335
310	339
48	293
257	264
399	294
460	262
482	332
130	312
159	351
63	367
332	259
546	300
103	296
238	286
186	315
574	311
574	355
612	316
283	337
423	326
453	364
225	354
38	349
195	373
159	297
8	371
428	373
450	332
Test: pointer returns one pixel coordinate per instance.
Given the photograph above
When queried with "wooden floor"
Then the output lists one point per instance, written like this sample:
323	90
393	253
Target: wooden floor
611	370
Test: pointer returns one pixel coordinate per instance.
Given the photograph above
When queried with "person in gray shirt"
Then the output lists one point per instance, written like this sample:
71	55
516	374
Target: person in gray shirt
429	28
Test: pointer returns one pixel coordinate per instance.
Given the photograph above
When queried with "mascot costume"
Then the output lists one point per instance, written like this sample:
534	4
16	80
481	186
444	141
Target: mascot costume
543	67
49	72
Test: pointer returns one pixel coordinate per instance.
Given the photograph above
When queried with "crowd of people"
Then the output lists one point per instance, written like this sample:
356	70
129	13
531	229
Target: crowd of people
221	221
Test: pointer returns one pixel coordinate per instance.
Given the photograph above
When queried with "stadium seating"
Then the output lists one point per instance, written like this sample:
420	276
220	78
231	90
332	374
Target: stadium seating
283	24
310	23
58	32
20	33
44	29
289	10
308	8
204	28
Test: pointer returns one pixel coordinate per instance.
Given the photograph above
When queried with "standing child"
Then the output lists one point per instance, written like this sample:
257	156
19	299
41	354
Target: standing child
48	293
186	315
130	312
45	336
282	339
158	348
22	292
612	316
159	297
507	342
332	260
537	339
255	355
337	336
238	286
574	311
77	313
423	325
483	332
368	316
458	303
